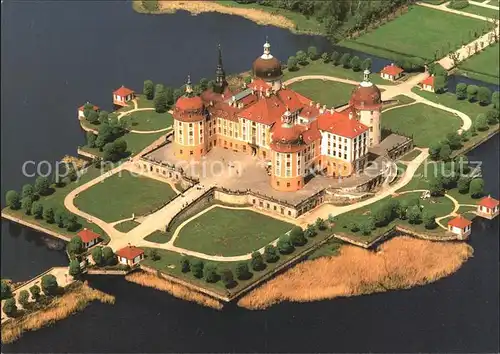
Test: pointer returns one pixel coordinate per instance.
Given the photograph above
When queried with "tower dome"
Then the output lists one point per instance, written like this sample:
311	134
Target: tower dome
266	66
190	106
366	95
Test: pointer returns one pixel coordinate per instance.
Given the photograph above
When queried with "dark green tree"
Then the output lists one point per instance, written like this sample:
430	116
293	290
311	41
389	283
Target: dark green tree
169	93
429	220
440	83
93	117
74	268
284	245
461	91
72	222
148	89
366	64
365	227
203	84
97	255
91	138
6	290
28	192
495	99
445	152
297	236
434	149
108	256
227	278
436	187
103	117
210	273
13	200
176	94
270	254
154	255
48	215
75	246
42	185
414	215
312	52
335	57
160	101
49	284
197	268
476	188
242	271
37	210
353	226
472	93
319	224
481	122
492	116
484	95
463	184
10	307
345	59
35	292
325	57
454	140
61	217
185	264
355	63
26	205
257	261
310	230
292	63
24	297
301	57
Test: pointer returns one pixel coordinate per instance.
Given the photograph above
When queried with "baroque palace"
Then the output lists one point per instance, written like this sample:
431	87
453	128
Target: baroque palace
291	132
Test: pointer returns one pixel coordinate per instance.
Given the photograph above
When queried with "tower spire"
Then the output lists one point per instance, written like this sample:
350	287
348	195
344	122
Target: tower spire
189	88
366	79
220	74
267	50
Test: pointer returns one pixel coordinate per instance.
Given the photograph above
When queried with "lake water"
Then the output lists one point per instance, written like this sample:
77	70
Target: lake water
57	55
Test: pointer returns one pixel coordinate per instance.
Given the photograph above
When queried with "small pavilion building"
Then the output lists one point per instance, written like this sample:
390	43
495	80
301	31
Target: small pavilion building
428	84
81	110
130	255
460	226
391	72
488	208
89	238
123	95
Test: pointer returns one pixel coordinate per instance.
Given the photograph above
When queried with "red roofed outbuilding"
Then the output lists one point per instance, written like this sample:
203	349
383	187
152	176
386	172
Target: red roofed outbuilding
488	207
89	237
391	72
82	109
130	255
123	95
428	84
460	226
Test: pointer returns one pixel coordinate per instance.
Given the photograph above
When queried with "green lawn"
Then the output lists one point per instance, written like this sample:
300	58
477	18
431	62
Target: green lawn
148	120
138	142
143	102
494	2
159	237
411	155
318	67
433	123
230	232
118	197
481	11
126	226
331	93
418	33
485	64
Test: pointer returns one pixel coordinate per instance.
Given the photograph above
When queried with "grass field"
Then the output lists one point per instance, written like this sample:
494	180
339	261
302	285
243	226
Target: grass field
485	63
148	120
318	67
330	93
428	29
411	155
118	197
433	123
227	232
126	226
481	11
158	237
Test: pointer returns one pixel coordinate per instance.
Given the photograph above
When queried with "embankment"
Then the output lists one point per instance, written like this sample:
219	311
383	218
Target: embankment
400	263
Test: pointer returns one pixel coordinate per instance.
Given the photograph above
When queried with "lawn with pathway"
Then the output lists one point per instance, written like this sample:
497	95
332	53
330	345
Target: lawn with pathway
230	232
148	120
484	65
118	197
418	33
481	11
329	93
432	123
126	226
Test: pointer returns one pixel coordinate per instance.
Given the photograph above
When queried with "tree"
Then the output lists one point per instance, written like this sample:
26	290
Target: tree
75	246
26	204
169	93
414	215
434	149
203	84
439	83
185	265
335	58
312	52
97	255
320	224
42	185
242	271
472	93
344	60
72	222
9	307
476	188
108	256
301	57
463	184
13	200
37	210
366	64
495	99
436	187
197	268
6	290
103	117
61	217
74	268
35	292
49	284
148	89
484	96
270	254
492	116
355	63
292	63
454	140
461	91
353	226
24	297
153	255
91	138
365	227
160	102
445	152
297	236
93	117
429	220
176	94
481	122
383	215
284	245
310	230
227	278
87	108
210	273
402	208
257	261
48	215
28	192
325	57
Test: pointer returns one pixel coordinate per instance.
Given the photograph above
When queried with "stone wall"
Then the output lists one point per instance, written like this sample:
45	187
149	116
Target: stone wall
166	171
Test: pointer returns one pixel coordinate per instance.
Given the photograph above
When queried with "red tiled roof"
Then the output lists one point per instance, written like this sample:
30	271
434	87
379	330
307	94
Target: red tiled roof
189	103
257	83
123	91
428	81
366	97
95	108
488	202
459	222
339	123
129	252
88	235
392	70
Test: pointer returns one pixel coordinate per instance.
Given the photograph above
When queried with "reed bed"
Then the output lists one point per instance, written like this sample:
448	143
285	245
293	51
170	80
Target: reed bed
400	263
74	300
177	290
196	7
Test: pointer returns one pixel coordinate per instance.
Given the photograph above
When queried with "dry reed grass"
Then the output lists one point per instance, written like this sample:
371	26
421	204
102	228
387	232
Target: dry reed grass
61	307
196	7
177	290
400	263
